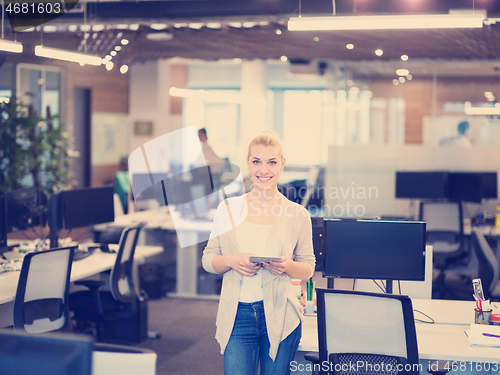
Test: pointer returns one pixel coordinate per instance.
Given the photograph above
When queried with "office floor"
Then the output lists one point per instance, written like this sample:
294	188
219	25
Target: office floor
187	344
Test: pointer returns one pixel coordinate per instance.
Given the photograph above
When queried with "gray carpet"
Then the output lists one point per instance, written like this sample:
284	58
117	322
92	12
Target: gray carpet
187	344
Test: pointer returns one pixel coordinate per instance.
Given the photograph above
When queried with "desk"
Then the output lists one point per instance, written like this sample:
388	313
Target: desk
189	232
96	263
444	340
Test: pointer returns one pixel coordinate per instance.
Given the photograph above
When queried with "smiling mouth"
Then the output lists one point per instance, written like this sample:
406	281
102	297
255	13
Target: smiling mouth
264	179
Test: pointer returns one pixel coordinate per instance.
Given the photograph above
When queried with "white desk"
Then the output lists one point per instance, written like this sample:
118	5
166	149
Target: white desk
443	340
188	231
96	263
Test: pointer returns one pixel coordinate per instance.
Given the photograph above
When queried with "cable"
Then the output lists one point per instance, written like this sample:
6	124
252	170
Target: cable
382	289
431	321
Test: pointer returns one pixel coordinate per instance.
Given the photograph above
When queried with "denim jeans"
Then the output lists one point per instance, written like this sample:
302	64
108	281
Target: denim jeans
249	345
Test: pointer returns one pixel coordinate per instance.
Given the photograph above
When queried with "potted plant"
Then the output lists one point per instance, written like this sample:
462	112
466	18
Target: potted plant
34	151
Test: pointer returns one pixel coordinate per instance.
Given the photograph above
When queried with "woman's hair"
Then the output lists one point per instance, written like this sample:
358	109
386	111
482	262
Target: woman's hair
267	138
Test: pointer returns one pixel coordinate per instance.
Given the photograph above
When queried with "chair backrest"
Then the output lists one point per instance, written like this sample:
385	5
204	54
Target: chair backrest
41	301
488	268
369	328
122	280
444	225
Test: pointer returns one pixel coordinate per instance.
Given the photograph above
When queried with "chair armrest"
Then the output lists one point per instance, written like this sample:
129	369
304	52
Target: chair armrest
312	356
91	284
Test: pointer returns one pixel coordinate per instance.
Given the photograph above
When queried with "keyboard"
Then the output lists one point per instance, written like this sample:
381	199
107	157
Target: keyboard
81	254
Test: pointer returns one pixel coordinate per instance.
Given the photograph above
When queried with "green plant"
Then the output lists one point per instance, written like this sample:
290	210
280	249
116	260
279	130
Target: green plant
33	150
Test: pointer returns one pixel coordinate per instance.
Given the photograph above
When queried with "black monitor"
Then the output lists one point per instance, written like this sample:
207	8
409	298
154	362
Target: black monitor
24	208
87	206
374	249
48	353
465	187
489	185
422	185
317	239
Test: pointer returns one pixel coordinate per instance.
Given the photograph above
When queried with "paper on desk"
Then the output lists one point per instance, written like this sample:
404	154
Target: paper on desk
476	337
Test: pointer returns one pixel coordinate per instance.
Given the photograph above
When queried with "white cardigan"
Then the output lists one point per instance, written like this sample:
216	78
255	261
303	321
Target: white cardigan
292	234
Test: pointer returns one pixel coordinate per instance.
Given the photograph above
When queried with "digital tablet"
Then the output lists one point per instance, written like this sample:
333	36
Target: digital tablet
264	258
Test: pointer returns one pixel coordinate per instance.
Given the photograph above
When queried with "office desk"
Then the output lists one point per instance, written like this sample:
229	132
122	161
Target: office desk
96	263
443	340
188	232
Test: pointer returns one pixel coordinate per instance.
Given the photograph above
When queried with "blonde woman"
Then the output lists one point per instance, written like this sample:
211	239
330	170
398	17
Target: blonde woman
259	316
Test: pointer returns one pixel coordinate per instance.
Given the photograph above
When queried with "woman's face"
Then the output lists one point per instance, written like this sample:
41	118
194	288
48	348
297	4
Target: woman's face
265	165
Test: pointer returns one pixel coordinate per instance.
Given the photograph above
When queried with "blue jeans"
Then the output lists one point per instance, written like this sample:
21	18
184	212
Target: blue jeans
249	344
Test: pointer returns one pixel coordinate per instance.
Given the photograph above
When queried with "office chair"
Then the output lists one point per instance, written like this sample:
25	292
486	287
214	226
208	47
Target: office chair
444	231
368	328
118	315
488	269
41	301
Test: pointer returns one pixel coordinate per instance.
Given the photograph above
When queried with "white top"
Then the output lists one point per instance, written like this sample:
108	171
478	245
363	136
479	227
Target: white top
252	238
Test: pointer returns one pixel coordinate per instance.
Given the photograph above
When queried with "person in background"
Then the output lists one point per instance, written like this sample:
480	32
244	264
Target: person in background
259	316
209	154
461	140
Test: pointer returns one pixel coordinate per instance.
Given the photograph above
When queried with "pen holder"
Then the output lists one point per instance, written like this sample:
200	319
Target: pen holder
482	317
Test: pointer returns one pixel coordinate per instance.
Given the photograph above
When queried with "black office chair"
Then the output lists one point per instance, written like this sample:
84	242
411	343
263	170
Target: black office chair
118	315
444	231
368	328
41	301
488	268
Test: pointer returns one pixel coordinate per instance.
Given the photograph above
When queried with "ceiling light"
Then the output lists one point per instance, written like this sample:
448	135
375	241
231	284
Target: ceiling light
409	77
402	72
134	27
8	46
113	53
49	29
379	52
118	48
195	25
284	58
278	32
404	57
98	28
109	65
214	25
124	42
124	69
395	82
316	39
402	79
430	21
59	54
349	46
158	26
163	35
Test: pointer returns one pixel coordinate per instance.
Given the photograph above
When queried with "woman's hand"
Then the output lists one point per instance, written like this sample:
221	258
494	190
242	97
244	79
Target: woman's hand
277	268
241	263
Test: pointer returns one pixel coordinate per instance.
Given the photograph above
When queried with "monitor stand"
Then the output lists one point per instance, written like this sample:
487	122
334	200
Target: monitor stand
388	285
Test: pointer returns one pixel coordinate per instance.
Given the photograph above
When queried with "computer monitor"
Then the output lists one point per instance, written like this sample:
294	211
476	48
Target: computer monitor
48	353
87	206
489	185
374	249
465	187
317	239
24	208
422	185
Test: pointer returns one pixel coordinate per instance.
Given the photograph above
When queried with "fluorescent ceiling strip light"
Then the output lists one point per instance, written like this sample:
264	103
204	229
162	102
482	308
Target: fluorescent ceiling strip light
485	111
8	46
431	21
54	53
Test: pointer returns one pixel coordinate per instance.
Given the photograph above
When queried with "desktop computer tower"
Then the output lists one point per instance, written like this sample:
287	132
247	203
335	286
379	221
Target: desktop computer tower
129	327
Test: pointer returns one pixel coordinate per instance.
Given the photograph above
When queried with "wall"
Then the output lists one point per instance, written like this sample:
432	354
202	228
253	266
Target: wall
110	91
